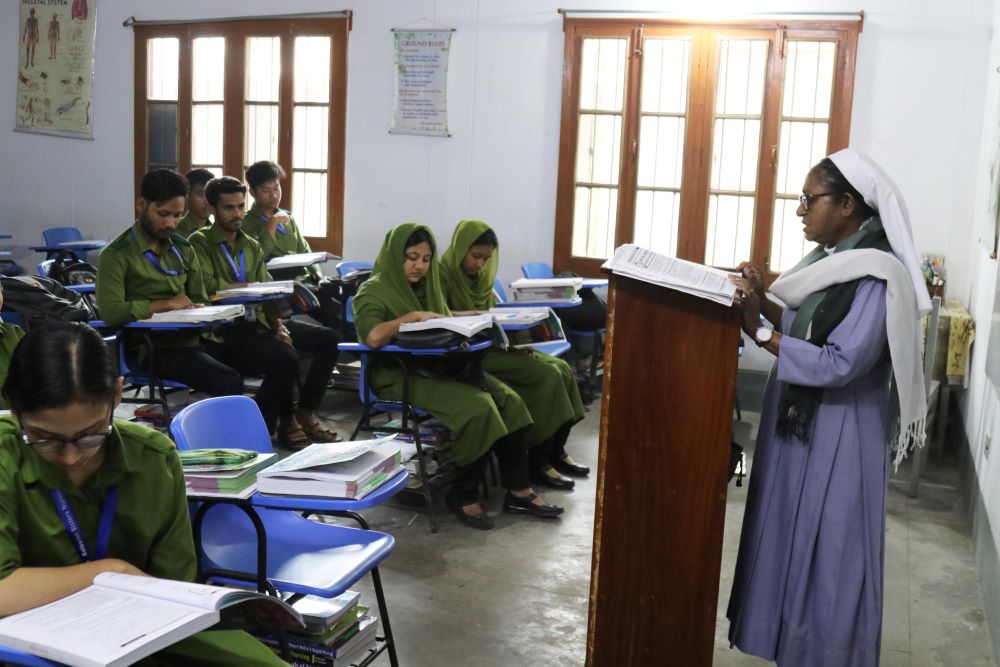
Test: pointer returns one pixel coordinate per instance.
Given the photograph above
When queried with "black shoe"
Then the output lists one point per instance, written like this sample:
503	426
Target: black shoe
542	478
481	521
516	505
570	467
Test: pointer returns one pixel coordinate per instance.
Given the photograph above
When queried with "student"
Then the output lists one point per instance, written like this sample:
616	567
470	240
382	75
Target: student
545	383
278	234
150	269
198	210
10	336
233	259
405	287
65	450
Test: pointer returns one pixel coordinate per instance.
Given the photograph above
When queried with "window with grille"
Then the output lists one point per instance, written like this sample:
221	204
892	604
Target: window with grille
694	139
223	95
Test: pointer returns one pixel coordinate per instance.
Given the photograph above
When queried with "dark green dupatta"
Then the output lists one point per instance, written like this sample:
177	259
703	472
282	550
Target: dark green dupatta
818	316
463	292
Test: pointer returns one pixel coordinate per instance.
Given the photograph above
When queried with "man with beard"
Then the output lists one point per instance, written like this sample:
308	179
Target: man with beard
149	269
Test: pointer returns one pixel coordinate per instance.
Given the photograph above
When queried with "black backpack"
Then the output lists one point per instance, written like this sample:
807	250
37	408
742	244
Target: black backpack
67	269
38	300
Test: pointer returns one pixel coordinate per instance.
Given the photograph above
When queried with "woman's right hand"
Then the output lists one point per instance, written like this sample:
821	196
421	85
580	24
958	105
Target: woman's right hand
420	316
754	275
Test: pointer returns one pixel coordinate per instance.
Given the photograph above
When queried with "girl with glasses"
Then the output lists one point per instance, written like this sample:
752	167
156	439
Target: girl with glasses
82	493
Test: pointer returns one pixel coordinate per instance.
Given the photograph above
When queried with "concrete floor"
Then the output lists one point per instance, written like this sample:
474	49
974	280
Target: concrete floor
517	596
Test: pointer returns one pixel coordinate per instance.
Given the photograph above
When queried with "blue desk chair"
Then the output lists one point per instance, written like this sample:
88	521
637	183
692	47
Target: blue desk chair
276	548
556	348
55	235
12	656
345	267
44	267
596	336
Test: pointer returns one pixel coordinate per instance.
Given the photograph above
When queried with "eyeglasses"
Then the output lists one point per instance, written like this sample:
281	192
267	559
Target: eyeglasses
805	200
56	445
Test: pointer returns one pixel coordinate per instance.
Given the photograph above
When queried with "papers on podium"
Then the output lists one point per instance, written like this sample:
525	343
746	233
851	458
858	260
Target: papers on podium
333	469
696	279
123	618
199	314
259	289
298	259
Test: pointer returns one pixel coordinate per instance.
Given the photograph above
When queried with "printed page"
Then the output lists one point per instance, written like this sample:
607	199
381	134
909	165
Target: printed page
298	259
528	283
253	289
643	264
180	592
512	316
466	325
102	625
199	314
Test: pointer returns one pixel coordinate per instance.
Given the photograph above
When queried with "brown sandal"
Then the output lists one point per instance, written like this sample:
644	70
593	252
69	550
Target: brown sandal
294	439
319	433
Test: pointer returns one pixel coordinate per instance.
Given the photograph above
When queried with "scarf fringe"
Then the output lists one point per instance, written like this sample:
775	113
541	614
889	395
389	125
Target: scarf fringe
908	439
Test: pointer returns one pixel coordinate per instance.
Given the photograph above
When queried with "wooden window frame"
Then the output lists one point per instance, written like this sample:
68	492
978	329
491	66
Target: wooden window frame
692	230
236	33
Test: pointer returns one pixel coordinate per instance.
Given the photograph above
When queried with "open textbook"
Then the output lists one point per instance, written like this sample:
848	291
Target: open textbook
298	259
199	314
123	618
702	281
259	289
466	325
337	470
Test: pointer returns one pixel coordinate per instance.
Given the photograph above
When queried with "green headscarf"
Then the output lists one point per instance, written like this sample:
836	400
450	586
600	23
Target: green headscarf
388	284
465	293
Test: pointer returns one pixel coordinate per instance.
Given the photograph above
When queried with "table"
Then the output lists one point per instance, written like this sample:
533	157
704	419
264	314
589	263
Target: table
541	304
70	246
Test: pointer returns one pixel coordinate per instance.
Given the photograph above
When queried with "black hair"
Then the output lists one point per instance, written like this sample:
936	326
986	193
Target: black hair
833	180
198	177
487	238
261	172
162	185
59	363
417	237
223	185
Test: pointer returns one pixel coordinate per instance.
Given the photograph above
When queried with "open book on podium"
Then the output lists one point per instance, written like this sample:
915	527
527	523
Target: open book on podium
298	259
123	618
199	314
678	274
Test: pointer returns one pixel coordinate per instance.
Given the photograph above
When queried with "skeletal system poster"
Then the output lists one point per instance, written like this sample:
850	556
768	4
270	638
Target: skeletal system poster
55	73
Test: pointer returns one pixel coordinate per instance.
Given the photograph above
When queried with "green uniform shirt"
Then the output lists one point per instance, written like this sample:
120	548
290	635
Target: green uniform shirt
189	226
127	280
212	250
10	336
151	529
289	243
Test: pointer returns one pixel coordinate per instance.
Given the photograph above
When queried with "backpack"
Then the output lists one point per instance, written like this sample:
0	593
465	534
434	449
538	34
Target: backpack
66	269
38	300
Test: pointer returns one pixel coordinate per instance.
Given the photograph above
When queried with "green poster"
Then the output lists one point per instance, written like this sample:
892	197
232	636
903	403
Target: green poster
55	73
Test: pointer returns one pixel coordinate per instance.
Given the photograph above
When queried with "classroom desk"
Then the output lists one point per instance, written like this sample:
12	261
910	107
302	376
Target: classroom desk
360	348
87	288
541	304
594	283
70	246
250	298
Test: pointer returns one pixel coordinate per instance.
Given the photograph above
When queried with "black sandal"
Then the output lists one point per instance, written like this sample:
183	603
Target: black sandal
526	505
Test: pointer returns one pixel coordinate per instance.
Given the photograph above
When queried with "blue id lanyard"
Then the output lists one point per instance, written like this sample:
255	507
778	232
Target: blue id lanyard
73	526
152	259
241	271
280	227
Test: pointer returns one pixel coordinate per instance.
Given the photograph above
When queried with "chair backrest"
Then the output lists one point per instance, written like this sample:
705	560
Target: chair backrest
536	270
498	291
346	267
223	421
349	309
57	235
45	266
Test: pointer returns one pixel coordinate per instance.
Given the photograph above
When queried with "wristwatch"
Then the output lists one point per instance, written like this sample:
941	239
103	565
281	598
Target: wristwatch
762	335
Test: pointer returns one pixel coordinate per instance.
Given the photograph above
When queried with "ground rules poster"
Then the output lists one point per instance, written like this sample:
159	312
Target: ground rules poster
55	69
420	104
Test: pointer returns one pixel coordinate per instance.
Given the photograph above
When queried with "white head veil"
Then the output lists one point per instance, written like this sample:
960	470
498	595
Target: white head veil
882	194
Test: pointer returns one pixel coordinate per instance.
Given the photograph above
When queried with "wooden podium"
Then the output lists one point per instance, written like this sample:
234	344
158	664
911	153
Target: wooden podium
666	425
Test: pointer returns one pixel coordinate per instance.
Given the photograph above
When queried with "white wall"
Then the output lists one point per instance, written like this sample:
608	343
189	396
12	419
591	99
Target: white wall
912	98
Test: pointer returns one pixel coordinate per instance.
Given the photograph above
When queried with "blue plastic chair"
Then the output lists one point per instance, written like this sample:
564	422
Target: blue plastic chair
12	656
56	235
44	267
278	548
543	270
345	267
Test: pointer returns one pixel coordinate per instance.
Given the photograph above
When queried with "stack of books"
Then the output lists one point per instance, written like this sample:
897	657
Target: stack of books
338	632
545	326
527	290
346	375
334	470
223	473
432	432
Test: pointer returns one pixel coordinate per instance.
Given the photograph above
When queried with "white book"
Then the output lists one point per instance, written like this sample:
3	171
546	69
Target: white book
347	479
466	325
325	453
123	618
534	283
519	316
298	259
260	289
696	279
199	314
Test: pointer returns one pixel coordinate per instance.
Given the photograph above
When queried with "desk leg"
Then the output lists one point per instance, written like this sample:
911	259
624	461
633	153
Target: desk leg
944	400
